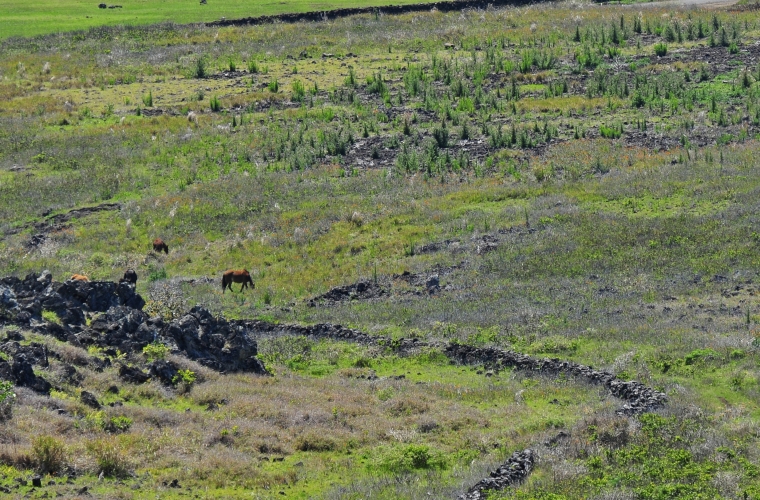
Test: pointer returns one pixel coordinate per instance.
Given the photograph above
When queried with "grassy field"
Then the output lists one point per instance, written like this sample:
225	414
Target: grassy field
582	179
25	19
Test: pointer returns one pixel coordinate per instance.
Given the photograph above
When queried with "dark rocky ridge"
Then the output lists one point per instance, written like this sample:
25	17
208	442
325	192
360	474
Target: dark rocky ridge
117	322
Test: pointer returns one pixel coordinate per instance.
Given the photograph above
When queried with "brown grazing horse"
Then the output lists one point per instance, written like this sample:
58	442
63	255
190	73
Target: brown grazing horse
79	277
159	246
130	276
236	276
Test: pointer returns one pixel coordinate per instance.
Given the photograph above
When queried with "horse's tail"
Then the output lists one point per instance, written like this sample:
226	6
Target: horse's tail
224	281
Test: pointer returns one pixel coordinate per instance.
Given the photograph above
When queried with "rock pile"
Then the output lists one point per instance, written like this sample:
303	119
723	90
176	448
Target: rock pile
361	290
117	323
515	470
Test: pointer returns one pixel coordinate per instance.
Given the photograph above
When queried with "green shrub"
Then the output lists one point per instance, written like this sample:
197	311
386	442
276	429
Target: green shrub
156	274
660	49
148	99
51	317
155	350
48	453
441	136
199	70
118	424
613	132
399	459
274	86
215	105
186	377
700	355
299	91
253	66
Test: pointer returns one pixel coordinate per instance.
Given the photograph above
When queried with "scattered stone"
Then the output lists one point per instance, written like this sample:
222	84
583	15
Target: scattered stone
165	371
89	399
433	283
133	375
515	470
37	482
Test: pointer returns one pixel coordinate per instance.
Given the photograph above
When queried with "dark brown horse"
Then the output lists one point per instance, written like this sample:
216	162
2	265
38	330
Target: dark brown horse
159	246
236	276
130	276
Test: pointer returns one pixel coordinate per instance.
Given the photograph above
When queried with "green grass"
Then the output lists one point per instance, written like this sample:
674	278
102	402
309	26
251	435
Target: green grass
635	253
51	16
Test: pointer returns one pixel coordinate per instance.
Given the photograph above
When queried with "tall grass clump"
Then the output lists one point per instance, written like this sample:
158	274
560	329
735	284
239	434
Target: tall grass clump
49	454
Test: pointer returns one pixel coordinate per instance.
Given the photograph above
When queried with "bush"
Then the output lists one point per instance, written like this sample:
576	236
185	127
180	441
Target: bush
315	441
660	49
109	456
274	86
199	70
148	99
409	458
118	424
48	453
155	350
51	317
7	397
216	106
299	91
186	377
441	136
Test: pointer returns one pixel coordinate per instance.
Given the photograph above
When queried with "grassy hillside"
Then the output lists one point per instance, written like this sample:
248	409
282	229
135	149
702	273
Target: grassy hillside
26	19
581	180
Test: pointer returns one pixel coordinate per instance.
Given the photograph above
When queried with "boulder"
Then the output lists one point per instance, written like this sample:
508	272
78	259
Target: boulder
133	375
165	371
89	399
24	375
213	342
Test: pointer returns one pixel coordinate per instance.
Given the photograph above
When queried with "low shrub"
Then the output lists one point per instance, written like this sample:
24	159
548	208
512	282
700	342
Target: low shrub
315	441
155	350
109	456
48	453
399	459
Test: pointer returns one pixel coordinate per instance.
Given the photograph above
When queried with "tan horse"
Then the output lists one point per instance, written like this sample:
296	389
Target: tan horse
236	276
159	246
79	277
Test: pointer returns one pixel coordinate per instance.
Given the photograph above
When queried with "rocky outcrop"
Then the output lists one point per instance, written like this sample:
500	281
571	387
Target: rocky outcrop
214	342
70	300
163	370
120	324
19	371
362	290
514	471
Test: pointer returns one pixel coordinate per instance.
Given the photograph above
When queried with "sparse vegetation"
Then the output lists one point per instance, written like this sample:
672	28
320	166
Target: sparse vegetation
573	186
